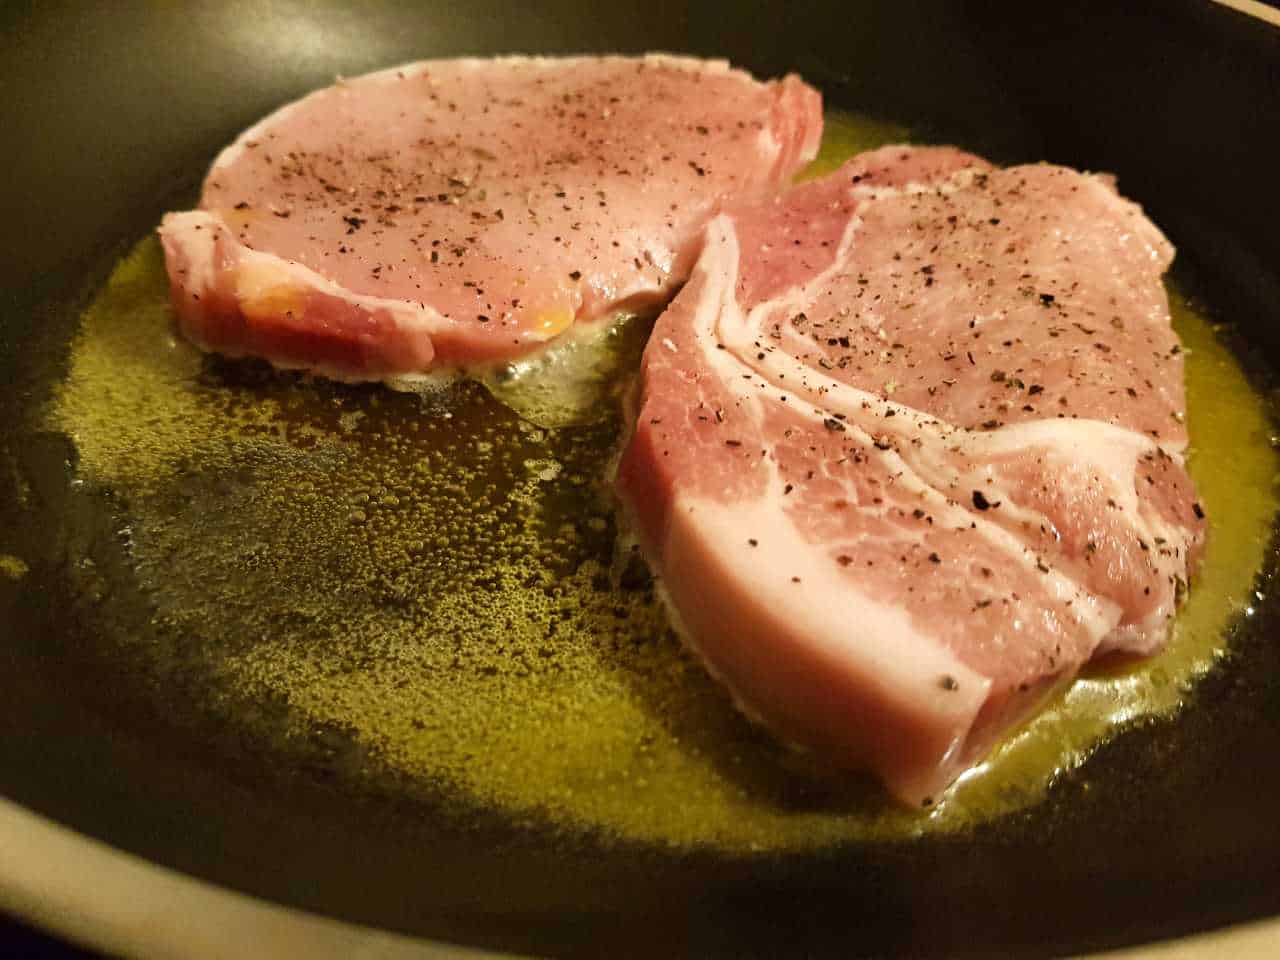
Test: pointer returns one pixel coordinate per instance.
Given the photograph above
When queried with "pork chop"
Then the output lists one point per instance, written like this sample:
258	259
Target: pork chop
908	453
447	214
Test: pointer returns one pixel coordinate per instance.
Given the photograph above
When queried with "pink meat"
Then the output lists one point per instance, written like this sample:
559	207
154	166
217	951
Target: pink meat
909	453
460	212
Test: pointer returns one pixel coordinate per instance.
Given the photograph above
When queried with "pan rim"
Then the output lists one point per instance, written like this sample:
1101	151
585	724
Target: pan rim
126	905
1254	8
129	906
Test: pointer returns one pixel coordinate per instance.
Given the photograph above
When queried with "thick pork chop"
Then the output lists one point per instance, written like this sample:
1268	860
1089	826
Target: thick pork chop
909	453
452	213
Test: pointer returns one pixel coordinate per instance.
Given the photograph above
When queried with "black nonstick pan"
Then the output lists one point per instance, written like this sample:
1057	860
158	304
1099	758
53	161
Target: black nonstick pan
110	724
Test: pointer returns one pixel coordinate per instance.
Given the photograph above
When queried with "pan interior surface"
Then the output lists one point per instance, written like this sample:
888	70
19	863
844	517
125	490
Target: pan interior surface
438	586
179	678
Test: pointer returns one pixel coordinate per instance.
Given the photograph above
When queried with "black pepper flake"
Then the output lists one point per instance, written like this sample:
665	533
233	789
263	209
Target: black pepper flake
754	542
948	682
832	424
1046	298
733	443
354	223
1197	510
575	275
934	558
844	559
980	501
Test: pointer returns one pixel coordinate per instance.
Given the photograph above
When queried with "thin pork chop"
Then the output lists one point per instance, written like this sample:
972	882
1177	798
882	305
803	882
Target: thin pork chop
909	453
461	212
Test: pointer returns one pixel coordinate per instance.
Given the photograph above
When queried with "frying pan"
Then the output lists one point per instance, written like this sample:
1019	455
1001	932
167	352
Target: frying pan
110	115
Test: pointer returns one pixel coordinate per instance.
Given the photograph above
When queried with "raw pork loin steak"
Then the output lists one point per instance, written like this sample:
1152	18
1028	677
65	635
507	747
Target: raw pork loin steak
909	453
461	212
